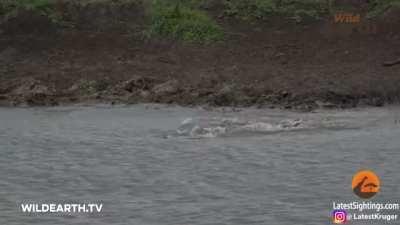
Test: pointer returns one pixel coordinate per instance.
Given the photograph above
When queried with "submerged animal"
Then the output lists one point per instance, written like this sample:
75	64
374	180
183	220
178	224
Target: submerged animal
392	63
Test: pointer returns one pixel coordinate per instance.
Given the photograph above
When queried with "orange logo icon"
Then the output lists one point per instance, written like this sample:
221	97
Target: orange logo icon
365	184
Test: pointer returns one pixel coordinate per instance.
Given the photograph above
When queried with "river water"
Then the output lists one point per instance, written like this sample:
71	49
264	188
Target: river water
161	165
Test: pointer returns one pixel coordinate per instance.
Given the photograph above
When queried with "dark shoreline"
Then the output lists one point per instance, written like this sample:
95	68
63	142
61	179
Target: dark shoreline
33	92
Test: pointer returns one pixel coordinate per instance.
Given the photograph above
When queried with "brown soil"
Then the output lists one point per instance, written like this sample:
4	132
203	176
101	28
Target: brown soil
266	64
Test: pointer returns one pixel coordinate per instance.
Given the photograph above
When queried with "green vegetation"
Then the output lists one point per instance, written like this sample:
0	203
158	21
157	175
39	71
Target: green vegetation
181	22
10	8
185	20
298	10
378	7
46	7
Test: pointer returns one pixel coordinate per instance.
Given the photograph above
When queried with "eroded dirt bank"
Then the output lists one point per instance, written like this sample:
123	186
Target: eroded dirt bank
268	65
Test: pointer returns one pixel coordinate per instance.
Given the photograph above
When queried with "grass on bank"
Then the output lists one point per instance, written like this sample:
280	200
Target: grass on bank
183	23
299	10
378	7
184	20
11	8
177	19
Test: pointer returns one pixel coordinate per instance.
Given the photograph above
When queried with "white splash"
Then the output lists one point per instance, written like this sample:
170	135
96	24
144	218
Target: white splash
228	126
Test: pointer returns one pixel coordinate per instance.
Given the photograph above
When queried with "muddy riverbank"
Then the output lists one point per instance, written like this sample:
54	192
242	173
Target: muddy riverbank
269	64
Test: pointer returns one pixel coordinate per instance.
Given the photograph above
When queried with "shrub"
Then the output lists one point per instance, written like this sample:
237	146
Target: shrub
183	23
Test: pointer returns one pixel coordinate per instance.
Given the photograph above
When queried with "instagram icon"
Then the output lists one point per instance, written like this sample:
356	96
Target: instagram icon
339	217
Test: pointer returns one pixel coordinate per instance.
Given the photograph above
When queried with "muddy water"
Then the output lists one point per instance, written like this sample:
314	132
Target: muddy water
156	165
